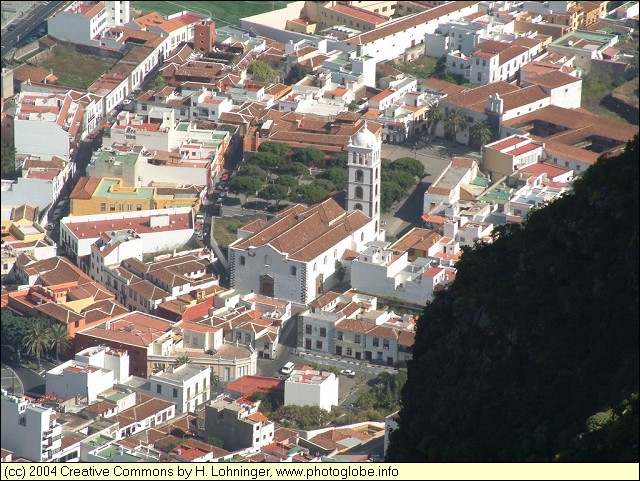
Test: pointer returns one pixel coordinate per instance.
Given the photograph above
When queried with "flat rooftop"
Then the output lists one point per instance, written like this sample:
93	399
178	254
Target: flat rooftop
104	190
88	228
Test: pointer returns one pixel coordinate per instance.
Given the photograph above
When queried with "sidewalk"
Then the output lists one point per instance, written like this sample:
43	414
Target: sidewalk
11	382
344	363
20	8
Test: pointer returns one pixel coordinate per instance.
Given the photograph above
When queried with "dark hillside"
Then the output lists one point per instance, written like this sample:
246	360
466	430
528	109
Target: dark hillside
532	353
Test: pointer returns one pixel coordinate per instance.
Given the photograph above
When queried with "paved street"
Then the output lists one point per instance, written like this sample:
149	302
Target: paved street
285	352
10	381
435	155
30	19
32	383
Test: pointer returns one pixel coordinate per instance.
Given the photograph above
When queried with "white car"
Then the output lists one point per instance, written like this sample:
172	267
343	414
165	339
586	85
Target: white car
348	373
287	368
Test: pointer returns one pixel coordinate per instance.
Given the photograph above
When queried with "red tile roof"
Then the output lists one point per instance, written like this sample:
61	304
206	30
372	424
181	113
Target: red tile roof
408	22
135	328
360	13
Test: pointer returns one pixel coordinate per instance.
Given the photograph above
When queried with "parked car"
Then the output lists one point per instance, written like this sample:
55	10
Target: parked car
287	368
12	27
348	373
224	177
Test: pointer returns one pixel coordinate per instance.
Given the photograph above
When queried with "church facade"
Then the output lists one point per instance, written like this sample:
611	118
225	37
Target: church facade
295	255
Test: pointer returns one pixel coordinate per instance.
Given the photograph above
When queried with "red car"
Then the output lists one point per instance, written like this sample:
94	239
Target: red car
224	177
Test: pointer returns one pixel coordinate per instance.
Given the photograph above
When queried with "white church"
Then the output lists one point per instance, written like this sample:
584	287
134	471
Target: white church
293	256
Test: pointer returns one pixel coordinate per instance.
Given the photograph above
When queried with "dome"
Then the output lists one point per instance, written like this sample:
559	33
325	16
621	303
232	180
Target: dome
364	138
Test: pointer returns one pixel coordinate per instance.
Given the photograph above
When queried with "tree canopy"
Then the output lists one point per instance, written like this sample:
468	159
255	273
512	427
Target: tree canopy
262	71
277	148
8	160
308	156
337	176
310	194
243	184
297	73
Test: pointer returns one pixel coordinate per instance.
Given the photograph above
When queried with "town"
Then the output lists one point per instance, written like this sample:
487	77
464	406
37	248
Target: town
219	234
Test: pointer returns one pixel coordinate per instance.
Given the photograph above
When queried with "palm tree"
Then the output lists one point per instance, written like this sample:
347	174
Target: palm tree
435	116
454	122
215	379
480	133
37	340
59	339
182	359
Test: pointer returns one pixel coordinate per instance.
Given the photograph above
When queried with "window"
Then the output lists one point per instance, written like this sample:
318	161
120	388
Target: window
325	260
477	61
103	207
385	344
323	332
293	270
349	352
339	335
359	176
484	62
453	65
318	344
159	388
376	342
358	206
379	356
479	76
267	260
120	206
242	260
175	392
359	193
138	206
112	207
307	329
129	206
357	339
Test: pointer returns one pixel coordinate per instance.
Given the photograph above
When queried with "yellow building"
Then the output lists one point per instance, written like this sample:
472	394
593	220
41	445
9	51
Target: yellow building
93	195
22	224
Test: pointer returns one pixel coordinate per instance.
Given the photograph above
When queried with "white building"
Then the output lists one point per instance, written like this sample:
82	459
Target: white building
325	312
93	371
159	230
393	39
240	426
381	271
452	183
294	257
503	157
564	90
176	28
85	22
364	171
493	61
311	388
30	430
47	125
188	386
537	191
